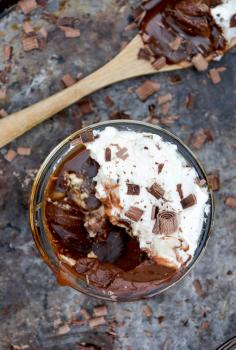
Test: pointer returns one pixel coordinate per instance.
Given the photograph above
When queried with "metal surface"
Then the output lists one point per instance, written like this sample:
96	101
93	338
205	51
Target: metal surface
33	307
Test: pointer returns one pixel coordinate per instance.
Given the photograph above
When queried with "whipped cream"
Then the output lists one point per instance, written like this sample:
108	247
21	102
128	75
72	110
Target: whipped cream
222	14
139	165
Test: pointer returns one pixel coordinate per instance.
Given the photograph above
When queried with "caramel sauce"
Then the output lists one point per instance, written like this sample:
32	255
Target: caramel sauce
189	20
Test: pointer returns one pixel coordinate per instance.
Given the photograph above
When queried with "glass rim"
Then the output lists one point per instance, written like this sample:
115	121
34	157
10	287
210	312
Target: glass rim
34	207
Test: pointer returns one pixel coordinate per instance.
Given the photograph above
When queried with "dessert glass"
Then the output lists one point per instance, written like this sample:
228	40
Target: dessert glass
229	345
65	274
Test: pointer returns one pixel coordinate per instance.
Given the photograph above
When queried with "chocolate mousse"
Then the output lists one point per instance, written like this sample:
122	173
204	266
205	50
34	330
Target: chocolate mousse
179	30
124	210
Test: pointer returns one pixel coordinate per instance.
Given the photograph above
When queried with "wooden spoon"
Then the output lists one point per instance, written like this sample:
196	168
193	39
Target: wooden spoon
124	66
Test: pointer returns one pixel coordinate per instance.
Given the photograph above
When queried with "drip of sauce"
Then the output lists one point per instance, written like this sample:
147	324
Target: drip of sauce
180	29
119	263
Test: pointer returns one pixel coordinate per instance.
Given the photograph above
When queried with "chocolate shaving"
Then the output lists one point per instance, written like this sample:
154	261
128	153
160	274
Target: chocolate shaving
180	191
156	228
215	76
190	99
134	214
7	52
107	154
200	182
3	94
213	180
164	99
122	153
68	80
157	191
160	167
133	190
30	43
85	106
10	155
167	222
70	32
155	211
108	101
119	115
189	201
233	21
175	79
87	136
147	89
201	137
231	202
174	45
159	63
144	54
27	6
24	151
199	62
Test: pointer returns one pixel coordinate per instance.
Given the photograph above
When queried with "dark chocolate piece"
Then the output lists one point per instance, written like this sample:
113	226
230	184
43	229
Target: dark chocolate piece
133	190
155	211
87	136
160	167
157	191
231	202
180	191
189	201
134	214
107	154
167	222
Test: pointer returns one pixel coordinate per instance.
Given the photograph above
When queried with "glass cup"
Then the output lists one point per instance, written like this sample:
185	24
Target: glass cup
65	274
229	345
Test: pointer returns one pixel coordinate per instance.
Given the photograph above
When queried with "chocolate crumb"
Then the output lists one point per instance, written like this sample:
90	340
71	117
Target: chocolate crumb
107	154
189	201
215	76
213	180
147	89
160	319
180	191
233	21
7	52
87	136
198	287
164	99
199	62
147	311
201	137
231	202
133	190
200	182
167	222
157	191
175	79
119	115
155	211
134	214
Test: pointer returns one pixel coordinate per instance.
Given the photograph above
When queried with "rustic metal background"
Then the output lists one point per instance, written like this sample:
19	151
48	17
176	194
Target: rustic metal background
33	306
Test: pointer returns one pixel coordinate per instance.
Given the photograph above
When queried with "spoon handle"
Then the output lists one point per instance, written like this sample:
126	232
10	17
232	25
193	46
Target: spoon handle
124	66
